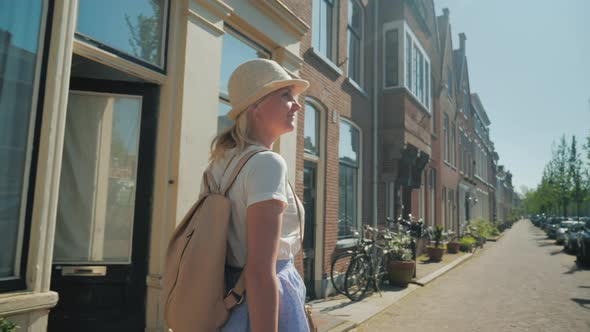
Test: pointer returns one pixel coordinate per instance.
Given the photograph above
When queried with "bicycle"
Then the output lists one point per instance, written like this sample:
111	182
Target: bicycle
341	262
367	267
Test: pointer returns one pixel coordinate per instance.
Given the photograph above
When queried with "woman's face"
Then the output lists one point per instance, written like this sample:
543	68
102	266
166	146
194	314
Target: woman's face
276	113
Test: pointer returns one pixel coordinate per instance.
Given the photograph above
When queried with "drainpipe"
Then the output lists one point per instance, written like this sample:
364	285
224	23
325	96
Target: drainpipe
375	108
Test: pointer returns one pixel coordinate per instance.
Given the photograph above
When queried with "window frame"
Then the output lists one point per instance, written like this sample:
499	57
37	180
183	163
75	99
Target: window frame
331	54
359	170
360	37
19	281
129	57
414	62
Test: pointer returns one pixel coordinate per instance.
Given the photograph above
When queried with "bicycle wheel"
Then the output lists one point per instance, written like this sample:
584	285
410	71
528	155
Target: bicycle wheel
338	269
358	277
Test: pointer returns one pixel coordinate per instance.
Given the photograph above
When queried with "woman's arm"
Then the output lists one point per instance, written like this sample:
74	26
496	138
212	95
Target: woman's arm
263	229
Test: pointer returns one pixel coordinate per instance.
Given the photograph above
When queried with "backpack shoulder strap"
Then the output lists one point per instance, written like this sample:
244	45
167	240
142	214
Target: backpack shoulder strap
238	168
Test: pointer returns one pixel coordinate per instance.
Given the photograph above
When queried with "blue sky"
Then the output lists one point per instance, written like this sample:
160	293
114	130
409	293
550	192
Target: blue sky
529	61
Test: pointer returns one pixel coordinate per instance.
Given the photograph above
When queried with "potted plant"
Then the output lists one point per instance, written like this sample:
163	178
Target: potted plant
466	244
452	245
401	267
7	326
436	253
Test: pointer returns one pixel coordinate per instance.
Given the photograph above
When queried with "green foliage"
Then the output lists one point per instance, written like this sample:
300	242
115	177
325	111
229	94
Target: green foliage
400	247
565	185
7	326
467	243
438	235
483	228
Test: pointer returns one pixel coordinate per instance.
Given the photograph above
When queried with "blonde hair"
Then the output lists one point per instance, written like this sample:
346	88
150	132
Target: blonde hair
236	136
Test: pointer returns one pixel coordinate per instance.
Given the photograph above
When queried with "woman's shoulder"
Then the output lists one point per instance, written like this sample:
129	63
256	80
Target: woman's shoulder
268	159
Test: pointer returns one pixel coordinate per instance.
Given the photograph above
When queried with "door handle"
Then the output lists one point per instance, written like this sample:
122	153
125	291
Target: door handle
84	271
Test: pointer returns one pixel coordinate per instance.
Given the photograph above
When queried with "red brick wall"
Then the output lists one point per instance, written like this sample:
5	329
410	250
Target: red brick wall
335	94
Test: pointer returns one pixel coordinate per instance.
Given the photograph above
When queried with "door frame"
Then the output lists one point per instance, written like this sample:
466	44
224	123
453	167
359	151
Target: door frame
143	191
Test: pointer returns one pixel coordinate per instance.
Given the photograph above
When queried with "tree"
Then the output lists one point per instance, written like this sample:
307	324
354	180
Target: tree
561	179
146	34
575	175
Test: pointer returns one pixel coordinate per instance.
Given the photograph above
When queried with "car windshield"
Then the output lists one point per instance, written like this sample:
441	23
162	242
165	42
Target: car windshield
565	224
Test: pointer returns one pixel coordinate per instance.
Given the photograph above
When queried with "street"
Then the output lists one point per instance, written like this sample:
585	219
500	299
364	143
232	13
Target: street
524	282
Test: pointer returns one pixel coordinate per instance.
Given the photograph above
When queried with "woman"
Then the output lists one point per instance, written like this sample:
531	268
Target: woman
264	233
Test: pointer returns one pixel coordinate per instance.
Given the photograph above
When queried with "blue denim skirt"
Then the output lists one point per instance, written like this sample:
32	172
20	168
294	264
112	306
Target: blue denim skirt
291	301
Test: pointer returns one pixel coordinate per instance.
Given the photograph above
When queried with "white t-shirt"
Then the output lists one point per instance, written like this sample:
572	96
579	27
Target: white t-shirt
262	178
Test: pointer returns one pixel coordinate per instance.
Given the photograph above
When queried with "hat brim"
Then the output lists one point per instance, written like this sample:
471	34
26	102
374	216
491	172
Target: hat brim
298	85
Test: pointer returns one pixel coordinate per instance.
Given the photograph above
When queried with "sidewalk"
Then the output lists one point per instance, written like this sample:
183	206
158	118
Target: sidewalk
339	314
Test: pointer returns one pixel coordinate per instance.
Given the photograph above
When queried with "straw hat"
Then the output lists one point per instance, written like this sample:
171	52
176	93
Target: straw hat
255	79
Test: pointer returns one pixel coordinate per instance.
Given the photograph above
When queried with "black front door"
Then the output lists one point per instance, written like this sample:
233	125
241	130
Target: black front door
309	203
103	219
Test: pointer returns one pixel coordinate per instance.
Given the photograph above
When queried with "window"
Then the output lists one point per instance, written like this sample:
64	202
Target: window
355	38
311	130
432	185
235	50
417	70
21	37
324	27
408	61
390	199
349	147
446	147
391	58
135	29
453	145
427	86
449	82
452	210
444	207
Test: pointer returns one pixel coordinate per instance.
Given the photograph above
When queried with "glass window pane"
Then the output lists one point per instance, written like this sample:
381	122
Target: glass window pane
311	130
223	122
99	171
235	51
135	27
391	58
408	70
19	38
349	143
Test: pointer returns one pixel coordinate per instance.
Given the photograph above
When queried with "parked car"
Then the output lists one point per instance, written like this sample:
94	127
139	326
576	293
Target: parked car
570	242
552	227
562	229
583	239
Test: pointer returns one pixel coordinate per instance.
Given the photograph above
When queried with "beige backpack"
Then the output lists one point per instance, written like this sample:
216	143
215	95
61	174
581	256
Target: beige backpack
193	283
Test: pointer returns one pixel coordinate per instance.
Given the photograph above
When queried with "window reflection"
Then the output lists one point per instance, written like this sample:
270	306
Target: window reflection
19	38
236	50
135	27
311	130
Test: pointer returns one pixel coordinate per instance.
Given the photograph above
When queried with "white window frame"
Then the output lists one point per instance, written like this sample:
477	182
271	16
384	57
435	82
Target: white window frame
359	175
331	38
410	82
20	274
360	80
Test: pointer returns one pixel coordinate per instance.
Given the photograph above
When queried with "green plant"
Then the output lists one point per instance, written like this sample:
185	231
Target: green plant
400	247
467	243
483	228
7	326
438	235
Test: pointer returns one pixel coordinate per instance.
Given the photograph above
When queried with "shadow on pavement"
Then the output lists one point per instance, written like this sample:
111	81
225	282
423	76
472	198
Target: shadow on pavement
584	303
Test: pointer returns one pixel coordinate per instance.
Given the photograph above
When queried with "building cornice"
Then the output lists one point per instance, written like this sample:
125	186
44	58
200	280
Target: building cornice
283	16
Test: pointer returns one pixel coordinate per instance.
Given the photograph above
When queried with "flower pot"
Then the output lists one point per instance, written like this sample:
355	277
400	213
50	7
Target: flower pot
453	247
435	254
401	272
